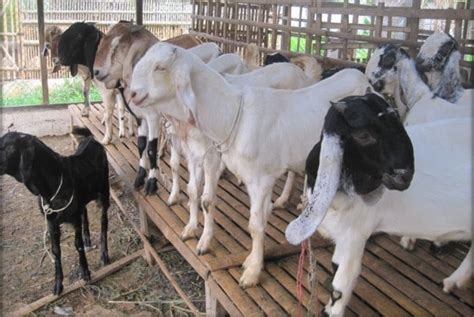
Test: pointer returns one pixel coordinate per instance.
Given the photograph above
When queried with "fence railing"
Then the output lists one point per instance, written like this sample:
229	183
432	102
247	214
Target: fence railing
343	30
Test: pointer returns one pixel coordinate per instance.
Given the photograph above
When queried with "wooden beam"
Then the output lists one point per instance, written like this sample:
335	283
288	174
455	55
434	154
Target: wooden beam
44	68
213	307
103	272
139	11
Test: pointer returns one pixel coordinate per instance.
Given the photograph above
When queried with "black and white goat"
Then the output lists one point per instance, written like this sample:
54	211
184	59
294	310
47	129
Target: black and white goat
275	58
438	59
64	185
363	152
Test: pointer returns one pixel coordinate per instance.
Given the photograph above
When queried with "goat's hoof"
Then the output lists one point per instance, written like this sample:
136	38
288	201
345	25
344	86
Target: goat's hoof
105	259
280	203
121	135
140	179
85	112
90	248
106	140
188	233
202	248
151	186
408	243
202	251
448	285
58	288
173	200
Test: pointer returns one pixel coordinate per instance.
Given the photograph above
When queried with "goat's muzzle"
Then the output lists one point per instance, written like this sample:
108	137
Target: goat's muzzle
137	101
399	180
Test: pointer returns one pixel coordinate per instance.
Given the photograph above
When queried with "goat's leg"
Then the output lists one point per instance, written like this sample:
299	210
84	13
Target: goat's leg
260	200
121	114
104	223
109	103
55	234
85	230
151	186
351	249
212	173
174	163
141	144
130	120
194	184
86	87
79	244
286	193
408	243
462	274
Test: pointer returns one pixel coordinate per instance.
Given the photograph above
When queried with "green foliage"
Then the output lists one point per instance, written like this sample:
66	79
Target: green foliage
469	58
24	93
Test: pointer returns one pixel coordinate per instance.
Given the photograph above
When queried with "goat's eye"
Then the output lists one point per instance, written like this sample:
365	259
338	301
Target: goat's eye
158	68
363	138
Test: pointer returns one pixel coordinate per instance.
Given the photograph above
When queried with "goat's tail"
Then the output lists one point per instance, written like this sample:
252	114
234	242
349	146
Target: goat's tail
251	55
312	69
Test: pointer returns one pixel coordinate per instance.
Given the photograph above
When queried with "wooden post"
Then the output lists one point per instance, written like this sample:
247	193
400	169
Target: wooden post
213	307
139	11
145	230
413	24
44	68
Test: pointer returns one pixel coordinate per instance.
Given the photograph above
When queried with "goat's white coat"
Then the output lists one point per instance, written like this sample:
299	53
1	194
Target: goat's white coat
270	134
436	206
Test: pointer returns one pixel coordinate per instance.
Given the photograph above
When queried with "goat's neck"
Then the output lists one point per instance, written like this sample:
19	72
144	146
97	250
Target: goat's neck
46	173
413	87
217	102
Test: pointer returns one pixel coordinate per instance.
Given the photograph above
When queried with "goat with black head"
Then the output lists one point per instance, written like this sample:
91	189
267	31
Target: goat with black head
78	45
363	180
64	185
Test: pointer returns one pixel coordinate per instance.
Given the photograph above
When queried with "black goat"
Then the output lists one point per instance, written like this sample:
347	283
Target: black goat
275	58
331	71
64	184
78	45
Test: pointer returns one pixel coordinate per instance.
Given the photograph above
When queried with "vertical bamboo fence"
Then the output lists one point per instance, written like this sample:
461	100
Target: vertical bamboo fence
339	31
20	38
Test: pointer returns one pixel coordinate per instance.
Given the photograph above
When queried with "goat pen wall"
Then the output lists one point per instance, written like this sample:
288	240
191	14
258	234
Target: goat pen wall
338	31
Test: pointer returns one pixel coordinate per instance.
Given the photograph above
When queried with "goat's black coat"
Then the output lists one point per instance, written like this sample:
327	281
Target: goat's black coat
331	71
85	177
375	144
78	46
275	58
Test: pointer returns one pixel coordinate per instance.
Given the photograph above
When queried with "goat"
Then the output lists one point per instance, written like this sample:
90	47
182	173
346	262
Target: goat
363	151
391	70
438	59
76	48
261	132
275	58
204	160
64	186
119	51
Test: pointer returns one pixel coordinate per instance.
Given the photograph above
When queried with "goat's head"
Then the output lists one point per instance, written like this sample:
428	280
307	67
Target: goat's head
364	146
275	58
118	52
382	69
16	155
164	74
78	45
51	41
435	52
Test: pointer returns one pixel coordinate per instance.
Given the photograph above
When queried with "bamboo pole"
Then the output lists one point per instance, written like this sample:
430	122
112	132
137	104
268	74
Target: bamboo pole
44	68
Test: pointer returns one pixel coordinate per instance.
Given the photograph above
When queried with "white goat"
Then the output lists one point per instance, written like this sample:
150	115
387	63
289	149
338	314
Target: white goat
436	206
261	132
439	59
203	159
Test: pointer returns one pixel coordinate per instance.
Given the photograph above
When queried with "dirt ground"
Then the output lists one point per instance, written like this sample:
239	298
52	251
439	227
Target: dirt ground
27	274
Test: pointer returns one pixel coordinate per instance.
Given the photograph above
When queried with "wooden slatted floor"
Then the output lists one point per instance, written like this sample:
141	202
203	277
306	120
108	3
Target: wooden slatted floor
393	282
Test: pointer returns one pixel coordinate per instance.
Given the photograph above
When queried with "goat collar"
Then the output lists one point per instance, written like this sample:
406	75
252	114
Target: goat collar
238	114
47	207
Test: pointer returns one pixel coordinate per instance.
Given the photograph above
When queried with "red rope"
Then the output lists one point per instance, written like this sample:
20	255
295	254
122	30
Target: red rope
299	277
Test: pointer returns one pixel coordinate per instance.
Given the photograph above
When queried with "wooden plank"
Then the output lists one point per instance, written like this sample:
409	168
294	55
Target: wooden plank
213	307
95	277
44	69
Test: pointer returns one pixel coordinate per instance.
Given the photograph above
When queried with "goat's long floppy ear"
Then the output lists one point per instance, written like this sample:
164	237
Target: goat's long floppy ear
134	54
73	69
26	163
90	48
185	93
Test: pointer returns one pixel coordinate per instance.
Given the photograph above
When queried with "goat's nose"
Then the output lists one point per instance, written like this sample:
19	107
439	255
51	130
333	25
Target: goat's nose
133	94
96	72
